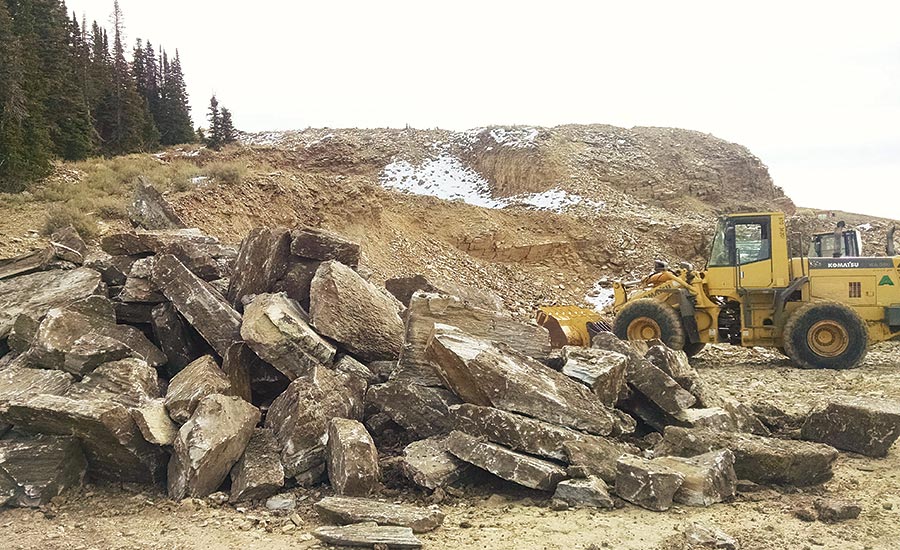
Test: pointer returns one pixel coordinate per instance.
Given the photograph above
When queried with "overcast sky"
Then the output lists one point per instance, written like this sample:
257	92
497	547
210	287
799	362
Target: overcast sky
811	88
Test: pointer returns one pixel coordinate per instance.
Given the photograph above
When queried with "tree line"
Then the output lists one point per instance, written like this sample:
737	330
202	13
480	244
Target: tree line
68	91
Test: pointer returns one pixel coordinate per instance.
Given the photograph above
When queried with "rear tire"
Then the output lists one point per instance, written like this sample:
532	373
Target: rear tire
647	319
826	335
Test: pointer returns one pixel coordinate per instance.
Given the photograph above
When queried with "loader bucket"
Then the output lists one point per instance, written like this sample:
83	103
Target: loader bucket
570	325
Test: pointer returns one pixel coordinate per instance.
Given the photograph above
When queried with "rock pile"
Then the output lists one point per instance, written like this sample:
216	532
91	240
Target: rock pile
171	358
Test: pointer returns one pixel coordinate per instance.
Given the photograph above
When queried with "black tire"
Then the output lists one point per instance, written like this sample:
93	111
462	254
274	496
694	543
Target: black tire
665	317
691	348
826	335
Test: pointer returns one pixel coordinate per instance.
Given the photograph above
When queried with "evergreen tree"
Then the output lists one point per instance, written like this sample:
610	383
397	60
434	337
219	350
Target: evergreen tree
16	159
178	127
229	134
215	139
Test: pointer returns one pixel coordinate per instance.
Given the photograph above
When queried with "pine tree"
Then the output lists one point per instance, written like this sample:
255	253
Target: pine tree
15	164
215	139
229	134
179	127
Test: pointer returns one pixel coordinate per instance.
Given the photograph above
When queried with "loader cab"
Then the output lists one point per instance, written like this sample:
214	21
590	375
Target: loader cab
749	252
835	244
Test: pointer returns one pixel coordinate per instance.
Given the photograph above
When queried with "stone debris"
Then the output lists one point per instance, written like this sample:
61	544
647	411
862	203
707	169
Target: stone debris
369	535
259	473
427	463
201	378
352	459
647	483
590	492
708	478
34	470
35	294
504	463
150	210
209	444
831	510
153	421
423	410
700	537
602	371
344	511
867	426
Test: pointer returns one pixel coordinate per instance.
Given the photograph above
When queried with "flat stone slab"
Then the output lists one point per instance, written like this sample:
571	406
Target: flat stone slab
424	410
320	244
428	463
259	473
708	478
647	483
867	426
263	258
150	210
352	459
590	492
345	510
601	370
369	535
129	382
504	463
596	456
37	293
32	471
22	383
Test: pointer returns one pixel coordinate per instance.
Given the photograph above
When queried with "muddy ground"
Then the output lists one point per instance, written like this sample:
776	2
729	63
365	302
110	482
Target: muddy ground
497	516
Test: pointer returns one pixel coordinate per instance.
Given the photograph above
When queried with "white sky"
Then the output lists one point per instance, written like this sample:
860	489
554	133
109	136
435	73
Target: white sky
812	88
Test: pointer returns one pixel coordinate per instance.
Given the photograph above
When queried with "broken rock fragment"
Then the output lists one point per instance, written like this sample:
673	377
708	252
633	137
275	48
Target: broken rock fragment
68	245
259	473
523	469
596	456
708	478
867	426
129	382
428	463
209	444
34	470
590	492
352	458
422	409
403	288
319	244
177	339
36	293
201	378
602	371
150	210
263	258
647	483
344	511
832	510
153	421
369	535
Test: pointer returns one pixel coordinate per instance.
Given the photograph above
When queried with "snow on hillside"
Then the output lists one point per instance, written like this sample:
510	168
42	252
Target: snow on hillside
600	297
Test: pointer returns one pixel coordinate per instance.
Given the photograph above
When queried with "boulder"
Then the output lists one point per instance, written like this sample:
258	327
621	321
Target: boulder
148	208
349	365
22	333
352	458
832	510
596	456
177	339
236	366
369	535
590	492
659	387
263	258
602	371
84	335
299	418
112	442
764	460
200	379
708	478
403	288
259	473
319	244
36	293
129	382
344	511
428	464
352	311
647	483
504	463
153	421
275	328
21	383
427	309
113	270
67	245
209	444
423	410
201	305
675	364
146	242
495	375
137	290
297	279
26	263
34	470
867	426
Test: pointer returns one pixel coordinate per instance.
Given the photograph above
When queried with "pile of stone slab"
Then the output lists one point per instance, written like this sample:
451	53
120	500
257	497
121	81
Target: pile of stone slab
168	357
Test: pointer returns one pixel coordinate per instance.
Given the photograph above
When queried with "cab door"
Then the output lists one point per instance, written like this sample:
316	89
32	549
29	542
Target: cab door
741	256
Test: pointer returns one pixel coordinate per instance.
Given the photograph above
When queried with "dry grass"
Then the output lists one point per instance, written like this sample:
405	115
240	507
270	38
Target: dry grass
60	216
228	171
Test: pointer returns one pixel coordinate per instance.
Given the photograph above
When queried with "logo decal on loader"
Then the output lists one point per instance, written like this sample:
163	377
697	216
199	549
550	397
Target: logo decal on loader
886	281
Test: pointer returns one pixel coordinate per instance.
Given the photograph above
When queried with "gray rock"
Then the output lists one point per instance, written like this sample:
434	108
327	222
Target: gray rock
659	387
352	311
504	463
198	303
590	492
596	456
764	460
831	510
259	473
647	483
36	293
264	257
349	365
403	288
32	471
299	418
675	363
369	535
297	279
236	366
177	339
148	208
427	463
352	458
708	478
113	269
423	410
21	383
142	291
867	426
700	537
26	263
68	245
129	382
281	503
209	444
201	378
22	333
275	328
153	421
145	242
319	244
344	511
602	371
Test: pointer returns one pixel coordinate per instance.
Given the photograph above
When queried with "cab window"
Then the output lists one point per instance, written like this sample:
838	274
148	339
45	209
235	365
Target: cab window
740	242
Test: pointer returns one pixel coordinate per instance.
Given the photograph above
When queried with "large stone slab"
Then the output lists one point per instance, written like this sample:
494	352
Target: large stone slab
602	371
141	242
708	478
26	263
22	333
112	443
259	473
422	409
150	210
427	309
369	535
236	365
177	339
760	459
201	305
319	244
201	378
675	363
299	418
36	293
209	444
352	311
867	426
344	511
596	456
490	374
519	468
590	492
142	291
264	257
276	329
21	383
352	458
68	246
403	288
647	483
297	280
34	470
129	382
153	421
428	464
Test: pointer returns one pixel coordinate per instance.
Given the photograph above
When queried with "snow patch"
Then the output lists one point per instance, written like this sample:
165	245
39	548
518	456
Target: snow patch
865	227
554	200
600	297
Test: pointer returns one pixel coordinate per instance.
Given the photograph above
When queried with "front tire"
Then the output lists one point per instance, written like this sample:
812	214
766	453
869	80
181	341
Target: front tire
826	335
647	319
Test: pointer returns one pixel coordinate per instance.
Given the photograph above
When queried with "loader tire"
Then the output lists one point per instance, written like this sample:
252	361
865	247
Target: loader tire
826	335
648	319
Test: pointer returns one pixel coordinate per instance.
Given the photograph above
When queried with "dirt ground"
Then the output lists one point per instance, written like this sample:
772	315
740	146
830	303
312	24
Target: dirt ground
493	515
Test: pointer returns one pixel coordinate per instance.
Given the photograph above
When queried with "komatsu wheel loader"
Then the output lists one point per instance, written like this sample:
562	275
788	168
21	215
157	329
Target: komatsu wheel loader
822	312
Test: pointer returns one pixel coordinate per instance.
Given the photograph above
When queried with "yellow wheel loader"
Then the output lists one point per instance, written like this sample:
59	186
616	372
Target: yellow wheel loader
822	312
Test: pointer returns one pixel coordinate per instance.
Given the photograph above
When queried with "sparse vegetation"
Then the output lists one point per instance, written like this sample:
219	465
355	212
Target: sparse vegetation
230	172
60	216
